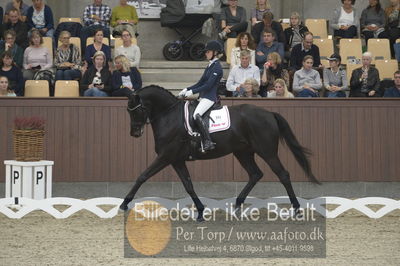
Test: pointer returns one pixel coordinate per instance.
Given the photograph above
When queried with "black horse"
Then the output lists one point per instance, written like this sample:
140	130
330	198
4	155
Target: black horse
253	131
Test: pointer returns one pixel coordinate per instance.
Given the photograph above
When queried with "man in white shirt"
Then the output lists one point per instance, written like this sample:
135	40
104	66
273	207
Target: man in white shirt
244	79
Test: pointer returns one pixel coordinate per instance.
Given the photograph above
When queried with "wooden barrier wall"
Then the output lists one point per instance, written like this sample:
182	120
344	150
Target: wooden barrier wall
351	140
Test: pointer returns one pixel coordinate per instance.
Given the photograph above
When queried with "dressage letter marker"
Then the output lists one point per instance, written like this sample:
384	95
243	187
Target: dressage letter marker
16	175
29	179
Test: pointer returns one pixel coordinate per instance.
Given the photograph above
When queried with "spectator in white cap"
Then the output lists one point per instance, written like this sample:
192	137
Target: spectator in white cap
335	79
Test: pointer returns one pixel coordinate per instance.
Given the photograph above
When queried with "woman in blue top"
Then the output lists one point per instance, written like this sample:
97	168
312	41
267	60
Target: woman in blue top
125	79
40	16
12	72
97	45
207	88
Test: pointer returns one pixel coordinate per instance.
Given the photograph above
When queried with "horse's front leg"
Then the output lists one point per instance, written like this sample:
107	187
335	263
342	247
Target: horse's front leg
158	164
183	173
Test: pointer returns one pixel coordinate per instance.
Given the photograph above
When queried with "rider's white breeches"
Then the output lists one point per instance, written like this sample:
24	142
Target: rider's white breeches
202	107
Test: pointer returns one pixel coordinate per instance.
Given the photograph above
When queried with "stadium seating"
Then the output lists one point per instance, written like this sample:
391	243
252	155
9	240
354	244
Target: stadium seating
350	49
48	43
285	25
76	41
318	27
386	68
230	43
380	49
325	50
118	42
78	20
37	88
90	41
349	70
66	88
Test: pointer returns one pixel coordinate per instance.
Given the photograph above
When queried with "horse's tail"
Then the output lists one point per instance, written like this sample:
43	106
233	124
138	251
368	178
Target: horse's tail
300	153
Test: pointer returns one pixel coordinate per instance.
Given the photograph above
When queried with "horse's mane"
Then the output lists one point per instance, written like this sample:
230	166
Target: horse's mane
158	88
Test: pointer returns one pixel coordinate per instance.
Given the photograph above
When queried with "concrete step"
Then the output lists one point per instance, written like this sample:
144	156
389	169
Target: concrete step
173	87
173	75
160	64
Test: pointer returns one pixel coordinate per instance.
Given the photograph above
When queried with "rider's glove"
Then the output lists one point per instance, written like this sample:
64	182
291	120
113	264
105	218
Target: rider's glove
182	93
188	93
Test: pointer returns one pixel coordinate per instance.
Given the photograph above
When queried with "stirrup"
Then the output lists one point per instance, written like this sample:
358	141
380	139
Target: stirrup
204	148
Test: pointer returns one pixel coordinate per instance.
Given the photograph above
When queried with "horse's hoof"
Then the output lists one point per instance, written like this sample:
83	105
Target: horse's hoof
298	214
237	211
200	219
123	208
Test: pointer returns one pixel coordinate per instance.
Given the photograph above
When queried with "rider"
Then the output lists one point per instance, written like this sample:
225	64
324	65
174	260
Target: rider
207	87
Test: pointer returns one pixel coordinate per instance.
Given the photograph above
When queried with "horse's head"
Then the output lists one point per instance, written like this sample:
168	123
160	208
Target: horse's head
138	114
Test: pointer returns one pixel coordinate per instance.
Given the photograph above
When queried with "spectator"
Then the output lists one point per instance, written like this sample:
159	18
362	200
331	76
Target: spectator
268	46
345	20
10	45
273	70
124	17
95	16
244	78
129	50
125	79
36	56
305	48
18	5
295	33
364	80
251	89
5	90
394	91
307	81
233	20
39	16
97	45
14	23
97	79
268	23
335	79
244	41
12	72
67	59
392	23
280	90
1	14
257	13
373	21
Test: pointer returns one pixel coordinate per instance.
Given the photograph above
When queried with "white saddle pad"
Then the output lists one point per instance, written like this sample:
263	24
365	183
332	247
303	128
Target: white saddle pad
219	120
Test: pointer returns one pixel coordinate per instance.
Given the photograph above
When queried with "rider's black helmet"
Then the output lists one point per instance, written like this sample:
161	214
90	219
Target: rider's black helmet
213	46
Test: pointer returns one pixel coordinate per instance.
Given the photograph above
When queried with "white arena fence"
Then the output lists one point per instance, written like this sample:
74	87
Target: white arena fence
17	208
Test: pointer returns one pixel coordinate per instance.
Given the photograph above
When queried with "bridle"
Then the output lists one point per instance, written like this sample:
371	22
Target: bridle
134	108
141	106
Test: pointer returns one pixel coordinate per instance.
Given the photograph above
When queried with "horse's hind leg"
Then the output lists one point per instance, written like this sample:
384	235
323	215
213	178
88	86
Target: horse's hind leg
284	177
183	173
246	159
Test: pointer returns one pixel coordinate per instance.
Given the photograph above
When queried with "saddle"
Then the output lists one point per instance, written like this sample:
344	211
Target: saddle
206	116
217	117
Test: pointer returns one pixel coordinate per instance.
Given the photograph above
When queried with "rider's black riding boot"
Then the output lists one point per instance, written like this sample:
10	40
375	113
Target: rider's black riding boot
205	135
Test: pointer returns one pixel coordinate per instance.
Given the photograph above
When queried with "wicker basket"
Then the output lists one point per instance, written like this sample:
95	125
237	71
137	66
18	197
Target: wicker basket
28	145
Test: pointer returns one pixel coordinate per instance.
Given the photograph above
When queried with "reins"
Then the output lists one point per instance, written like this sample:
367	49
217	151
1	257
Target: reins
157	116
